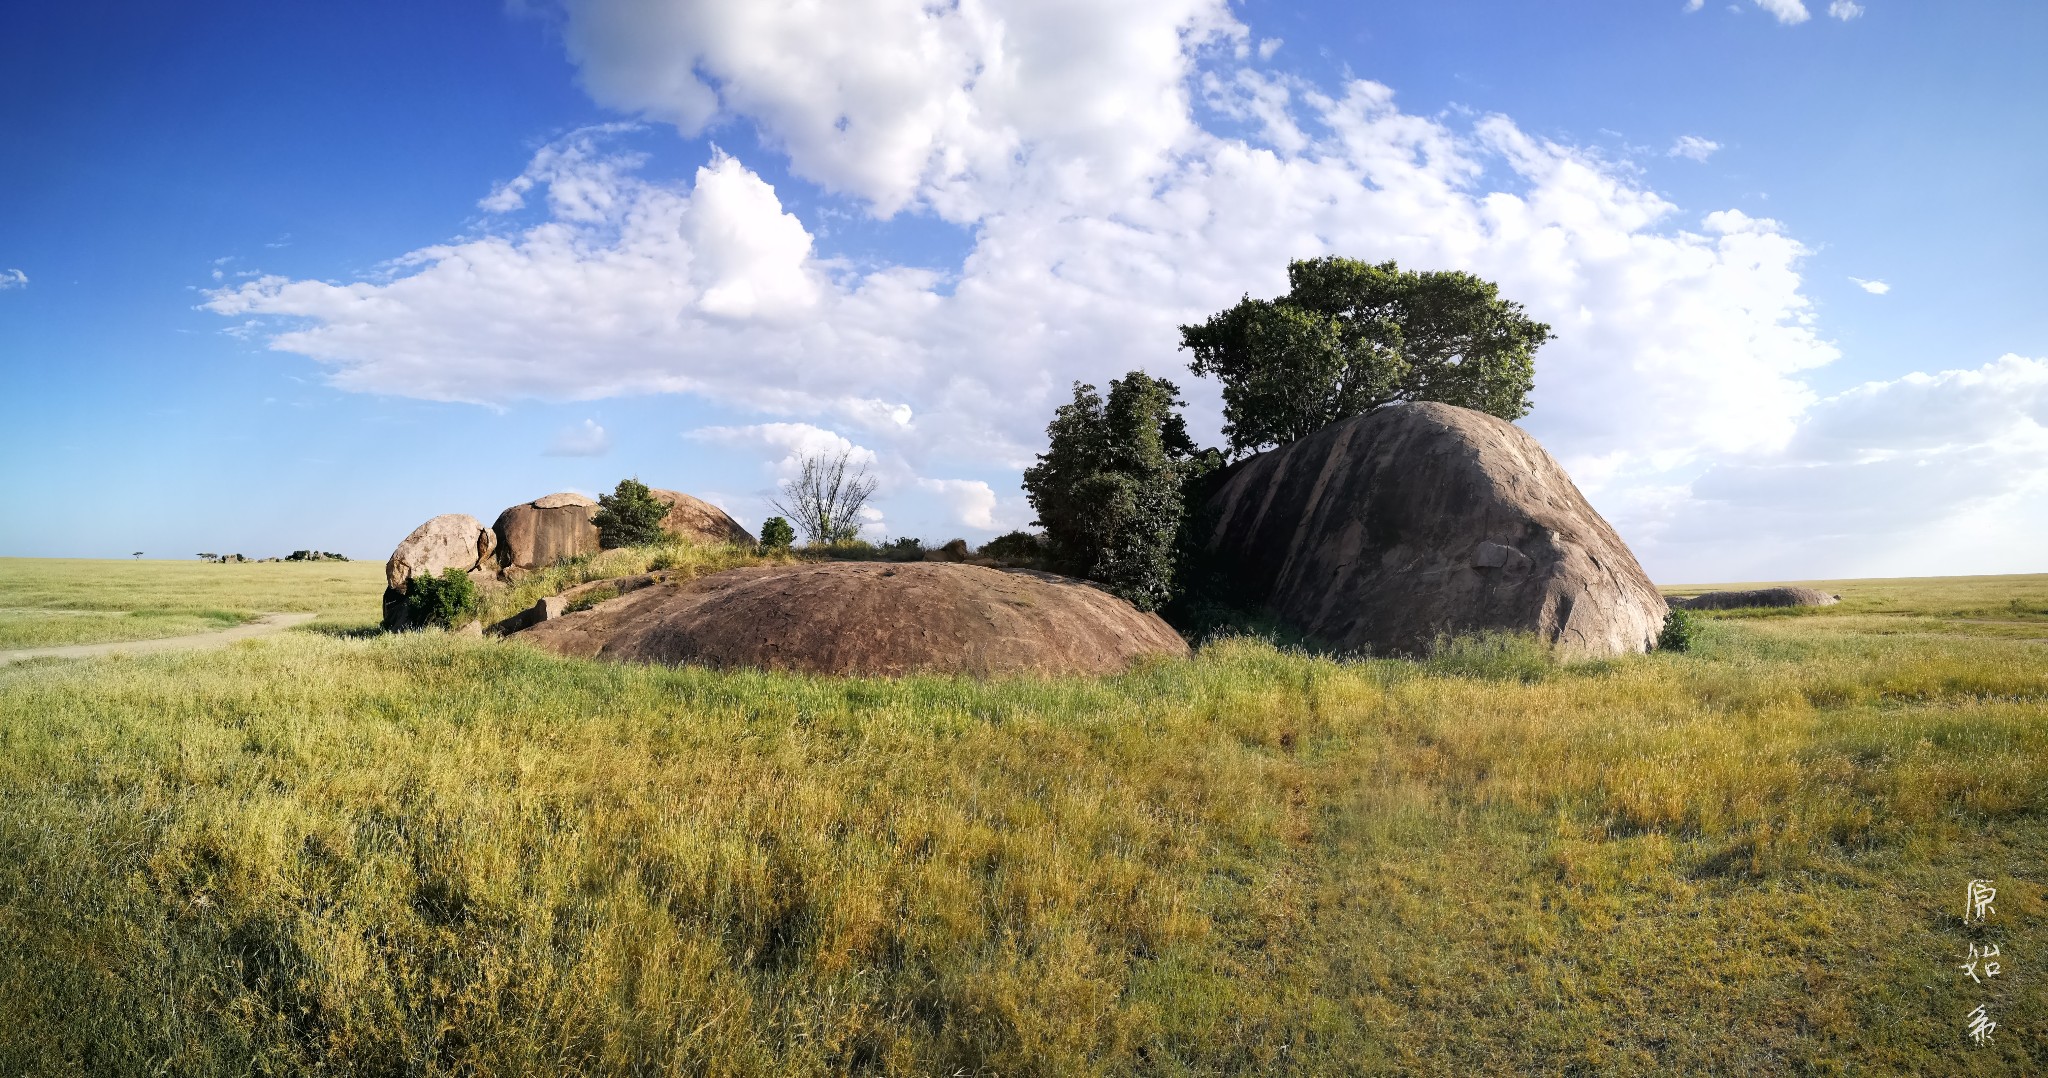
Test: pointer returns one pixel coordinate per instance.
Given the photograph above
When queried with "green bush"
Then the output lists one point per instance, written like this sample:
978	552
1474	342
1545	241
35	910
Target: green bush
629	516
1108	488
1016	548
904	548
777	534
1681	631
448	601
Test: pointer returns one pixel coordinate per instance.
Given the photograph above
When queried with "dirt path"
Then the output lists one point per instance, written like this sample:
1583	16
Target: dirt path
263	626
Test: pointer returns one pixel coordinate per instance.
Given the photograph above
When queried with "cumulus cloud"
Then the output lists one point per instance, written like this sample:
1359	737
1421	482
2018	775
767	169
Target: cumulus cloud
896	101
1789	12
1845	9
12	278
1885	478
586	439
1876	288
1694	5
1693	148
1118	174
973	502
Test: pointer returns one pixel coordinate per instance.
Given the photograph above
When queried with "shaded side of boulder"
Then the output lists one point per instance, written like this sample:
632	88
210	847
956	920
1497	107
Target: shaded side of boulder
700	521
1383	532
449	541
1764	597
546	530
867	618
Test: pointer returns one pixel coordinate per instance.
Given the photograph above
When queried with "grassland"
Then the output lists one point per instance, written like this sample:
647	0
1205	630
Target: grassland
430	854
47	602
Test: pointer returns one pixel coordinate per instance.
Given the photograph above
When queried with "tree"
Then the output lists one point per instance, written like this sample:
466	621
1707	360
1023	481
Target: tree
776	534
1108	487
629	516
825	500
1350	336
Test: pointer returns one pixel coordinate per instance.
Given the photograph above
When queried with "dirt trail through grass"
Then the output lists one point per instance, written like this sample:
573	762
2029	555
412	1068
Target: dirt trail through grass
268	623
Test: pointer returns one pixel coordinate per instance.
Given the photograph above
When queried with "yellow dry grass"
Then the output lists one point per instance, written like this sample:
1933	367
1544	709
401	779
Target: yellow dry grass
428	854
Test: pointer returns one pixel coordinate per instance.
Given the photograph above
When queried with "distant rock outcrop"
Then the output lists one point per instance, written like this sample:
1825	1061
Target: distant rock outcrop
449	541
1386	530
541	532
700	521
1735	600
863	618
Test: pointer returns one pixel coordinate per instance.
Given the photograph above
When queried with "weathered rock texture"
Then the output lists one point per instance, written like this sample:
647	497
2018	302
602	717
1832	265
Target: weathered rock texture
700	521
449	541
1387	530
867	618
546	530
1731	600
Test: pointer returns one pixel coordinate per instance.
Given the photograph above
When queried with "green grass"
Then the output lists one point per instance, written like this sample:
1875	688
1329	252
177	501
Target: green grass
430	854
46	602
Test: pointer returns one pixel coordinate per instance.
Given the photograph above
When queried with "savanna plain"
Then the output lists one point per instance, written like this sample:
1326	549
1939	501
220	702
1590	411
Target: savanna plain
337	851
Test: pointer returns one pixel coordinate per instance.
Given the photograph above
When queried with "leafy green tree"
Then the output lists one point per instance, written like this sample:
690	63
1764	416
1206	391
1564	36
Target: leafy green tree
1350	336
1108	488
629	516
777	534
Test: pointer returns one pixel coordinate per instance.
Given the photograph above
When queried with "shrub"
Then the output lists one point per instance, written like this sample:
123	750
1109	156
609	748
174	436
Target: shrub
1681	631
448	601
629	516
776	534
1107	489
904	548
1016	548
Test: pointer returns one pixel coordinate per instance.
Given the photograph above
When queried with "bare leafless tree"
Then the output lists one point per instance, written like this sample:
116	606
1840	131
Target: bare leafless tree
826	498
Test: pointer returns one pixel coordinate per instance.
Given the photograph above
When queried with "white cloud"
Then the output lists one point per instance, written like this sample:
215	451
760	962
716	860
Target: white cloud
1693	147
794	441
1845	9
1876	288
12	278
1694	5
1681	343
586	439
900	101
972	501
1887	478
1789	12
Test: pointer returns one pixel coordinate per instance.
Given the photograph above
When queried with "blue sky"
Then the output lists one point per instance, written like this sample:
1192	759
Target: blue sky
281	276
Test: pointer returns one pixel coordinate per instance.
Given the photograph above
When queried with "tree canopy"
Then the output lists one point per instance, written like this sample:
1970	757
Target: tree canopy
629	516
826	498
1350	336
1107	489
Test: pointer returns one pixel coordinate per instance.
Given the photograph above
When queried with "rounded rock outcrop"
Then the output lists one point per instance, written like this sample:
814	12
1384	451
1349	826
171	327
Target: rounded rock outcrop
700	521
539	533
449	541
1766	597
1388	530
867	618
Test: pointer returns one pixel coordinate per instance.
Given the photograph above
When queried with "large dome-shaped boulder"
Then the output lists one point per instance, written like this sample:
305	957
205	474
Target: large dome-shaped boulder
541	532
1735	600
867	618
449	541
700	521
1384	531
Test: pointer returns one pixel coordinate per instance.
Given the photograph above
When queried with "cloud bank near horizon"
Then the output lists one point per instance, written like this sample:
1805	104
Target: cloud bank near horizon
1119	172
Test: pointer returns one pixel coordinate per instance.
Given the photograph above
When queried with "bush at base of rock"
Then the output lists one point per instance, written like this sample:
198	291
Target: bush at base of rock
1680	632
448	601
